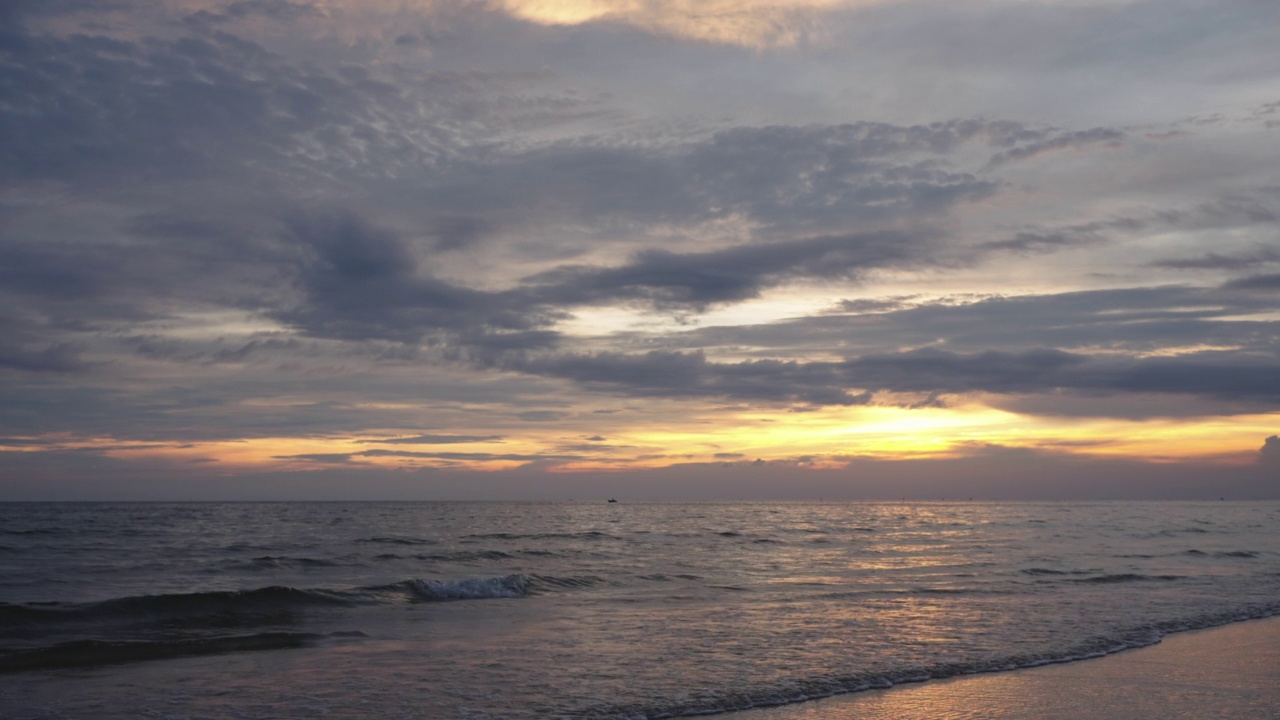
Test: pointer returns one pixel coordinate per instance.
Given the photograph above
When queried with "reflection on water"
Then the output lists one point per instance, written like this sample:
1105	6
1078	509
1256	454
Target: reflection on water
1225	673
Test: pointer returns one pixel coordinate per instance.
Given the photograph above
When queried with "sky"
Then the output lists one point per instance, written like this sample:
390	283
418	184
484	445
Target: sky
549	249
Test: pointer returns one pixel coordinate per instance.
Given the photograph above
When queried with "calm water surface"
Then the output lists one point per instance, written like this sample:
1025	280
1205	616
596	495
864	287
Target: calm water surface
573	610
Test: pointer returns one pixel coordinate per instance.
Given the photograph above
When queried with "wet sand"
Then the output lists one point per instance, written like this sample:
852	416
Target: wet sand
1225	673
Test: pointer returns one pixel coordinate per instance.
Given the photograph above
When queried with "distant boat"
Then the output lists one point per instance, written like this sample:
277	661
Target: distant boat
613	500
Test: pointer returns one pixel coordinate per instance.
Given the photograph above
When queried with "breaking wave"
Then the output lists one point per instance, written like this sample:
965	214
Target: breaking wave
485	588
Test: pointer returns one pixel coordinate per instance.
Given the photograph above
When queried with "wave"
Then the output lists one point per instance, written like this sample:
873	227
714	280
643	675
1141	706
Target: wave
398	541
272	562
484	588
276	603
473	555
217	607
815	688
36	531
88	653
587	535
151	627
465	556
1044	571
1225	553
1127	577
510	586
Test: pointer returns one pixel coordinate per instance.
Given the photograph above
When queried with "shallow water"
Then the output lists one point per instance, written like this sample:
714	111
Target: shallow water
528	610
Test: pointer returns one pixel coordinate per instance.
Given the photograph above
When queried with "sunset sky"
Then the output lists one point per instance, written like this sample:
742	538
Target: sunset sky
639	248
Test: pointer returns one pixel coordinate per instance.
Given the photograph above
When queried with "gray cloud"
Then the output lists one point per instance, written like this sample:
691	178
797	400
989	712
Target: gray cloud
272	218
434	440
663	374
1130	322
1108	138
1269	453
343	458
697	280
1256	282
360	281
932	372
1218	261
58	358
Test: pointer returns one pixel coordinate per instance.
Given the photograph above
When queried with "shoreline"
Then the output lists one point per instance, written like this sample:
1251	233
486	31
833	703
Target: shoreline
1226	672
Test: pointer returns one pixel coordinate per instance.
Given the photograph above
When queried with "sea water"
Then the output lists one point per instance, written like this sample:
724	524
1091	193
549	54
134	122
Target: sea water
588	610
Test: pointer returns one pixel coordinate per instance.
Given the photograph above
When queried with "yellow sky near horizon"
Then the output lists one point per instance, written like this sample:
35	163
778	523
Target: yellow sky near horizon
821	438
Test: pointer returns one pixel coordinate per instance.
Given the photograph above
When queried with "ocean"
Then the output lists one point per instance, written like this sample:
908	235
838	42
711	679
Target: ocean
588	610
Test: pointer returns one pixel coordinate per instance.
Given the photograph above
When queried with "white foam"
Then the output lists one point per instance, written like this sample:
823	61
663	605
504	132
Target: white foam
509	586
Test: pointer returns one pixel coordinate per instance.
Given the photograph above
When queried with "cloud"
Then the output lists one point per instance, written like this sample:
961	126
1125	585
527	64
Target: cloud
1079	141
56	358
927	371
268	219
784	179
665	374
358	281
542	415
1255	282
323	458
697	280
1051	240
1269	453
753	23
1219	261
343	458
276	10
434	440
1132	322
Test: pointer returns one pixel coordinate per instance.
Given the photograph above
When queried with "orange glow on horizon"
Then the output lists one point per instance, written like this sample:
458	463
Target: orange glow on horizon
821	438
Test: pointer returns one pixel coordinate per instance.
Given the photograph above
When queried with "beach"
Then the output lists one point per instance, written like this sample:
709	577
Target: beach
1228	673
